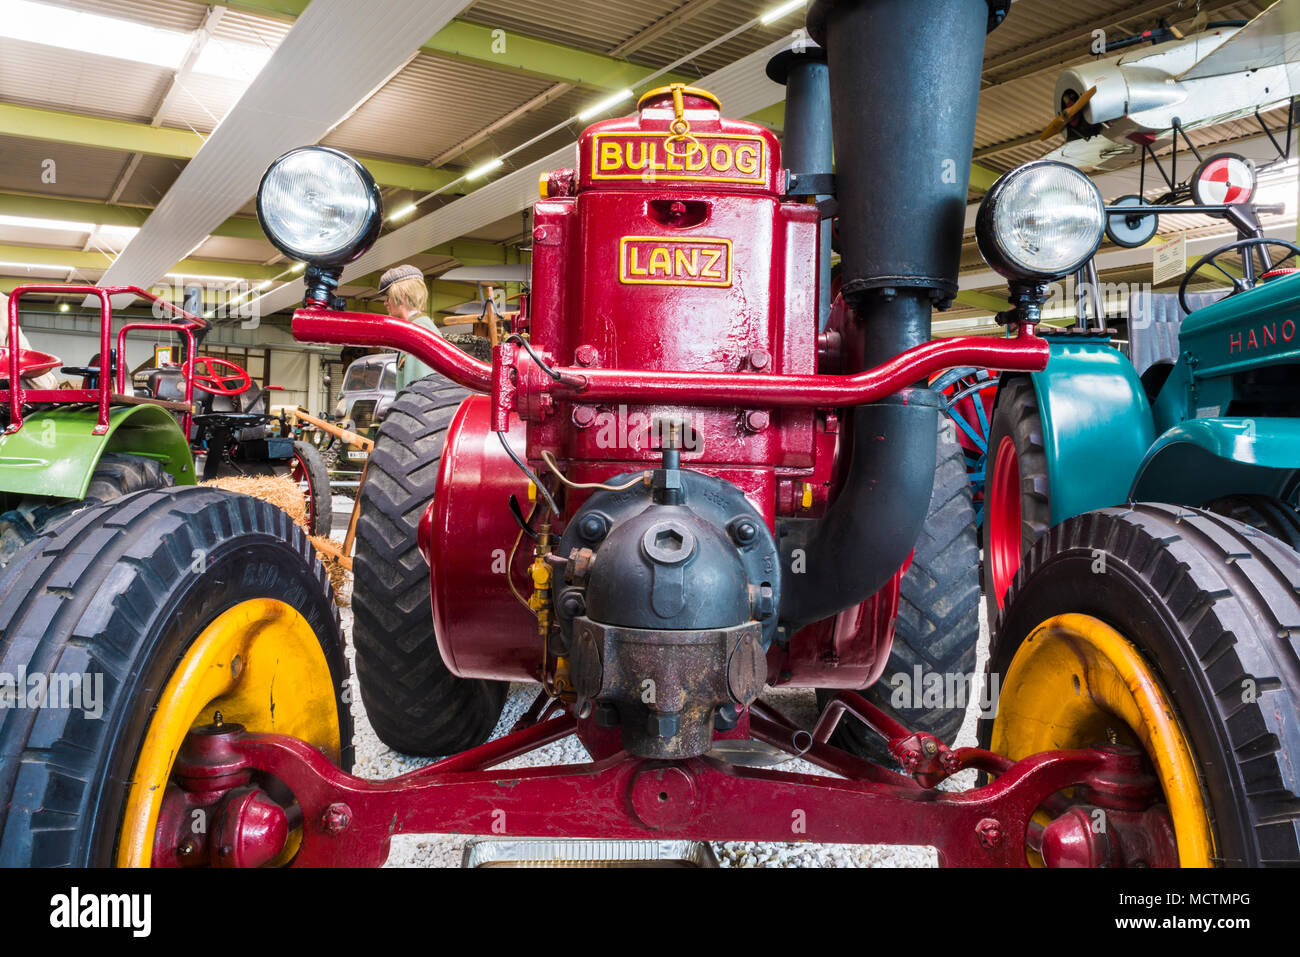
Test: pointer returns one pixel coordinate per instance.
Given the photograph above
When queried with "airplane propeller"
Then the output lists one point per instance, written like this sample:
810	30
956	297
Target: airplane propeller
1066	115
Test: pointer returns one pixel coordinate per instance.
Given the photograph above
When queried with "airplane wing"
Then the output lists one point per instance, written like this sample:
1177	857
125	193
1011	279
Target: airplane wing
1271	39
1095	153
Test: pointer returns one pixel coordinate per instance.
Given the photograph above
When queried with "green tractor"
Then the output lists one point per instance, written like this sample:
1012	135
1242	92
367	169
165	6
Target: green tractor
1205	414
65	449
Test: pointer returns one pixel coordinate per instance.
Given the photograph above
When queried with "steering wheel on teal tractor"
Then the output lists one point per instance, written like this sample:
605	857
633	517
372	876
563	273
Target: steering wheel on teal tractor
1247	248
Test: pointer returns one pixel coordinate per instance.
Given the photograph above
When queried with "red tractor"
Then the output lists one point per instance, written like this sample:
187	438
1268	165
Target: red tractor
674	485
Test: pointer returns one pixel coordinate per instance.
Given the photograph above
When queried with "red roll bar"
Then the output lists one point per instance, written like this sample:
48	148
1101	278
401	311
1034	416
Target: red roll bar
15	396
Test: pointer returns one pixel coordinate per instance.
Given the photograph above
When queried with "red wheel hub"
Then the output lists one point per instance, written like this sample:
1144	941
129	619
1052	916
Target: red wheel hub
1003	504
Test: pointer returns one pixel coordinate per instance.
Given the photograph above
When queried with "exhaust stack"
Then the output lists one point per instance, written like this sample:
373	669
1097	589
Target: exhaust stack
904	87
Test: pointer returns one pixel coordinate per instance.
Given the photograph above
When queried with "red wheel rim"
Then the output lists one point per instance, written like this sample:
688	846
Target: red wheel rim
299	474
1002	501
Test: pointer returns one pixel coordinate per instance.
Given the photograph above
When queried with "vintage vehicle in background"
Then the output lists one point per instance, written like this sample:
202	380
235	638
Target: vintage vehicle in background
66	449
1204	411
680	480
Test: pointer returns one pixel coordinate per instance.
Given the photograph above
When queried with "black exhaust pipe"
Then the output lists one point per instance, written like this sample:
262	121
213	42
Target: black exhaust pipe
904	87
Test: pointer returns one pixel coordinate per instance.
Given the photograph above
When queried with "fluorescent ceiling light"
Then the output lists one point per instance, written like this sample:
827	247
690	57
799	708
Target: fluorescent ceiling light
610	101
61	225
111	229
232	59
298	267
93	33
489	166
778	12
191	275
30	266
405	211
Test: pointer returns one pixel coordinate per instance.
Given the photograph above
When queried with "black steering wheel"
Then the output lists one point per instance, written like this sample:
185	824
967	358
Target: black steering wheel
1246	247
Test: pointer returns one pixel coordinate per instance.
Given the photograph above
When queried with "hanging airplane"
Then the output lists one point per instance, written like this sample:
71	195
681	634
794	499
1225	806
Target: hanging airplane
1115	109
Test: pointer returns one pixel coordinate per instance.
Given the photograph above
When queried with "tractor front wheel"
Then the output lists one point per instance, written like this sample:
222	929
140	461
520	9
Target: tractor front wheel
1017	508
134	623
1175	631
414	703
311	473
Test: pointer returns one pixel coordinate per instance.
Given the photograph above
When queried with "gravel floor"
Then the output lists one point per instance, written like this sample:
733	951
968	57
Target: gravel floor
374	759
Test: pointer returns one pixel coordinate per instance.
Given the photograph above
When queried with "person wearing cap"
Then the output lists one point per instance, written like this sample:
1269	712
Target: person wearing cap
406	297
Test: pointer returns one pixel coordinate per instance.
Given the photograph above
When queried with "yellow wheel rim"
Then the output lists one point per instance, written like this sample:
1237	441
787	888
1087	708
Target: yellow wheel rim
1073	682
261	665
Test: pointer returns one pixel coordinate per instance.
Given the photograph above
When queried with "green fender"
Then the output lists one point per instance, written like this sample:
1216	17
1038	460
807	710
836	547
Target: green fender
1203	459
56	450
1097	425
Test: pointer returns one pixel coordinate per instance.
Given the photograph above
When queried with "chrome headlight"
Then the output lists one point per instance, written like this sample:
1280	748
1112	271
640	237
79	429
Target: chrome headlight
1041	221
319	205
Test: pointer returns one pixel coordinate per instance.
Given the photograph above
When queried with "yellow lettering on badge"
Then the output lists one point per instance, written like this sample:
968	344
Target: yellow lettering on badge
632	268
747	160
687	267
611	157
659	259
711	270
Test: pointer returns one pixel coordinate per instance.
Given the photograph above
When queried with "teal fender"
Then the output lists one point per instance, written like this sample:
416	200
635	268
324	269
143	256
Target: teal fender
1202	459
1097	425
56	450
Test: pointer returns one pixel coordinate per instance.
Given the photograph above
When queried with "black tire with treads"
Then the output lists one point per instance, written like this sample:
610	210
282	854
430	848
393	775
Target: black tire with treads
414	703
320	506
1263	512
938	611
115	591
1016	416
116	474
1213	606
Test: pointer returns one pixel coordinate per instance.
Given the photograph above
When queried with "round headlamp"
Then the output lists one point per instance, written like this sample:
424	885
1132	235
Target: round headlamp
319	205
1041	221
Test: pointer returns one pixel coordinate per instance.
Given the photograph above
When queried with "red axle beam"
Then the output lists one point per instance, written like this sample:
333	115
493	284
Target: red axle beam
349	821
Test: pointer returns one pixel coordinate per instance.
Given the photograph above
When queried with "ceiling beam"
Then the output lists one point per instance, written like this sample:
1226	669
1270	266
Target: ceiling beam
497	48
661	26
107	214
301	93
100	132
78	259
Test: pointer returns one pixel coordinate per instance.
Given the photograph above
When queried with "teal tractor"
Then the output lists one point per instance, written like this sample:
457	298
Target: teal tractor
1205	413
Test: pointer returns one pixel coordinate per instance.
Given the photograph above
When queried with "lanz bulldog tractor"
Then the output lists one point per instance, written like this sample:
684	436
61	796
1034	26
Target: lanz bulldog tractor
671	487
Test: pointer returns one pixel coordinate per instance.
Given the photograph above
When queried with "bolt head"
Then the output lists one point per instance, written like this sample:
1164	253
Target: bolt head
585	355
989	831
745	531
661	725
572	605
336	818
759	359
584	416
592	528
757	421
